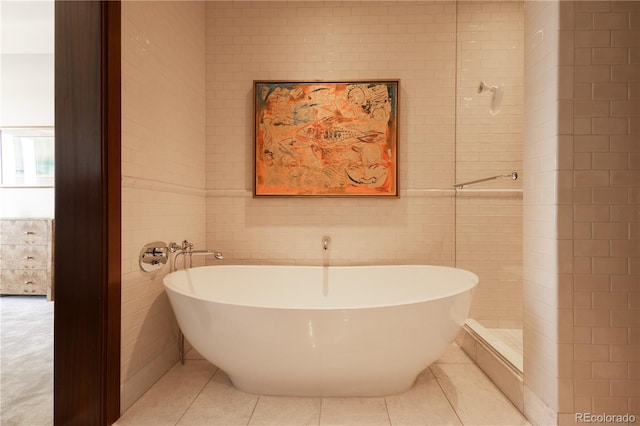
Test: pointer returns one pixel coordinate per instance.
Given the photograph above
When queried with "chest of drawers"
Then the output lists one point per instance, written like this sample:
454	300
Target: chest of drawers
25	256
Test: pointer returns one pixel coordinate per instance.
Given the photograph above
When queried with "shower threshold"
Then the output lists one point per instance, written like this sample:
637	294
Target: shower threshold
501	362
494	338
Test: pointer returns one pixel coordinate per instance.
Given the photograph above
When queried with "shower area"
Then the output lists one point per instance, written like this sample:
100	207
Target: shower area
488	200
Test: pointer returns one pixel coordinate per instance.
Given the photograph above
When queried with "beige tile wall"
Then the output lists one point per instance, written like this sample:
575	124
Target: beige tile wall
489	243
605	183
414	42
540	212
411	41
490	48
163	172
581	313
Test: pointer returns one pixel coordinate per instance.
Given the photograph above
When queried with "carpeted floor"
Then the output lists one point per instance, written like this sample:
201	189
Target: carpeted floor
26	361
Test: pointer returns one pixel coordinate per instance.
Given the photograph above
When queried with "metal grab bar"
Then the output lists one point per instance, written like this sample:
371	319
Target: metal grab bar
513	176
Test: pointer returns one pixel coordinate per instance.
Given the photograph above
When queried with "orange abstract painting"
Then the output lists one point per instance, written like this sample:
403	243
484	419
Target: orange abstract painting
326	138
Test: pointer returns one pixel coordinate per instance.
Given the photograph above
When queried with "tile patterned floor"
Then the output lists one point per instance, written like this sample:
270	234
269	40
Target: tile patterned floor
453	391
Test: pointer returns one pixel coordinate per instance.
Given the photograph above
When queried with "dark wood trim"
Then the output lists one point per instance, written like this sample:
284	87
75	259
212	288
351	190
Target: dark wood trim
113	142
87	211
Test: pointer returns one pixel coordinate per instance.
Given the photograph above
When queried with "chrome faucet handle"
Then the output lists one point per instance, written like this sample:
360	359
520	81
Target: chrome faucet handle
186	246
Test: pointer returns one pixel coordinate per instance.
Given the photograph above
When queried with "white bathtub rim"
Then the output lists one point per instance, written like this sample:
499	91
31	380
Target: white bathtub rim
454	291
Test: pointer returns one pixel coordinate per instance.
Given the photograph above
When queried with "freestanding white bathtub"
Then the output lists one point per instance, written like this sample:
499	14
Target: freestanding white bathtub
321	331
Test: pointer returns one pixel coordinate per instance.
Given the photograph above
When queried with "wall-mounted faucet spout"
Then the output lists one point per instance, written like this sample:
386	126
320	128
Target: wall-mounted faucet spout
213	253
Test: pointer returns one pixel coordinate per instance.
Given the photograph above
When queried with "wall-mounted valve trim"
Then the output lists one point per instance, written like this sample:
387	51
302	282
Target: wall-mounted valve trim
153	256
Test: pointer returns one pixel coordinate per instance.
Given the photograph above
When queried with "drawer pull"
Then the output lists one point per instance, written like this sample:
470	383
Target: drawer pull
29	283
30	233
29	257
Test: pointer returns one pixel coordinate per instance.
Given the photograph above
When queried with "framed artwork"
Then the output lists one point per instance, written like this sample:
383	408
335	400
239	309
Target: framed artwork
330	138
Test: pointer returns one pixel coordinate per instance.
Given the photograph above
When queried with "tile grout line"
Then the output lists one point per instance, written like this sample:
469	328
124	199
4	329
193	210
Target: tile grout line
386	407
320	412
446	396
196	397
254	409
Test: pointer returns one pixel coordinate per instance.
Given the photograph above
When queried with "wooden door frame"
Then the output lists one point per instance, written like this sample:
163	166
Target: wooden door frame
87	257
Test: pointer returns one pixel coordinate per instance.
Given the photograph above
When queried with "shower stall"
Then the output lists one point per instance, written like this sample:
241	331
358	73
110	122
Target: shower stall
489	139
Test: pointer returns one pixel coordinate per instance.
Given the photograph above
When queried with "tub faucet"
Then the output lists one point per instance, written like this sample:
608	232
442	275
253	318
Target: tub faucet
213	253
186	250
180	250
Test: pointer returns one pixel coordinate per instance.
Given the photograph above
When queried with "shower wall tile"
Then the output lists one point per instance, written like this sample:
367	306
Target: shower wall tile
163	172
410	41
541	205
603	248
595	375
490	48
484	221
603	361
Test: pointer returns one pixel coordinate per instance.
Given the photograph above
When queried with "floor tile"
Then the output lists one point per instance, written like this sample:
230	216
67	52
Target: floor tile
354	411
272	410
192	354
220	403
454	355
476	400
168	399
424	404
453	391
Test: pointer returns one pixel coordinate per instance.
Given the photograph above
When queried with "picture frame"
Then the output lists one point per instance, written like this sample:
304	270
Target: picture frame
326	138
